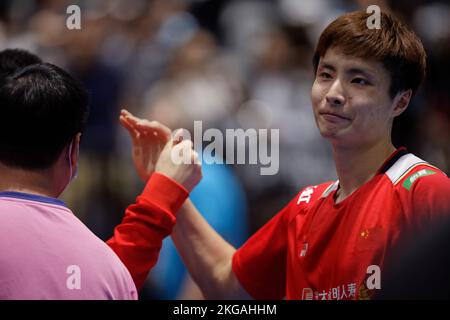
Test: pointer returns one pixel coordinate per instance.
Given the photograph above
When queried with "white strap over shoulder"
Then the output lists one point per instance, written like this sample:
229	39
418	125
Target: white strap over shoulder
403	165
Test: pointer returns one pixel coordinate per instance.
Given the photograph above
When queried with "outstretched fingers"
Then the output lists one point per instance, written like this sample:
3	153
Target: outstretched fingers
134	134
145	126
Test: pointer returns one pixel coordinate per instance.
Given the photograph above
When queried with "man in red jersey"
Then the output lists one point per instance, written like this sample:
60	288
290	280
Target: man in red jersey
334	240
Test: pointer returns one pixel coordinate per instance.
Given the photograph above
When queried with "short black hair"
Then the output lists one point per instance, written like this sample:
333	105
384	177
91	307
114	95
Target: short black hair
43	108
395	45
12	60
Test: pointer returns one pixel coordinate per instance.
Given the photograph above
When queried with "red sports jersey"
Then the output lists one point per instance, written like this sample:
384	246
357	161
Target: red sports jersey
138	239
317	249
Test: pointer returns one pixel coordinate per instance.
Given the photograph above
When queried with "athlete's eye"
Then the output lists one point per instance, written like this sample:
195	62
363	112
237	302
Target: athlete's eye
361	81
324	75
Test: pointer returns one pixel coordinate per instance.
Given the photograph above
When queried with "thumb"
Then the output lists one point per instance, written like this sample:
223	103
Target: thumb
178	136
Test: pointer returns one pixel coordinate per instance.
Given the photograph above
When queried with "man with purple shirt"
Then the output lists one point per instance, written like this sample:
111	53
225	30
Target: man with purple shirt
45	251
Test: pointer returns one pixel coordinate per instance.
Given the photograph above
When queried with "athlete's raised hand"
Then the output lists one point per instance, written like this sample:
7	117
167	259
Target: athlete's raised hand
180	162
148	138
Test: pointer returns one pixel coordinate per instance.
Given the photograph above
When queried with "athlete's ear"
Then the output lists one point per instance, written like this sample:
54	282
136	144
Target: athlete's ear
401	102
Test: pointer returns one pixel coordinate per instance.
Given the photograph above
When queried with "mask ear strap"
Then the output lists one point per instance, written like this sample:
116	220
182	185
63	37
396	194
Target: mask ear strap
70	160
70	166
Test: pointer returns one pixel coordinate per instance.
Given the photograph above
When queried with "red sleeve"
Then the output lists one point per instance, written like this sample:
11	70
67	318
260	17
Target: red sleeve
138	238
426	195
260	264
430	200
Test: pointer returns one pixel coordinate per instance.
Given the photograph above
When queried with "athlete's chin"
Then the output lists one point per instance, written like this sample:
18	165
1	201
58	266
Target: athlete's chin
330	132
336	137
333	138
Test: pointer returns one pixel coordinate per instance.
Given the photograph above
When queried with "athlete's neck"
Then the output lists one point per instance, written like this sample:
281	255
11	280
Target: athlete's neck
38	182
356	166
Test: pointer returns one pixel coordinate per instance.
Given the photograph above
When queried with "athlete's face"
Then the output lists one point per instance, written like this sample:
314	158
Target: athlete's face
351	102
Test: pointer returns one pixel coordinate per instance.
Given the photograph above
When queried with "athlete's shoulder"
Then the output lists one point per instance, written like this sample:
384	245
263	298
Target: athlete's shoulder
422	189
410	172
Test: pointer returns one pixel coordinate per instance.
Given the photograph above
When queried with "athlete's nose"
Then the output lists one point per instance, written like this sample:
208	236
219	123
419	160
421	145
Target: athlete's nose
335	95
